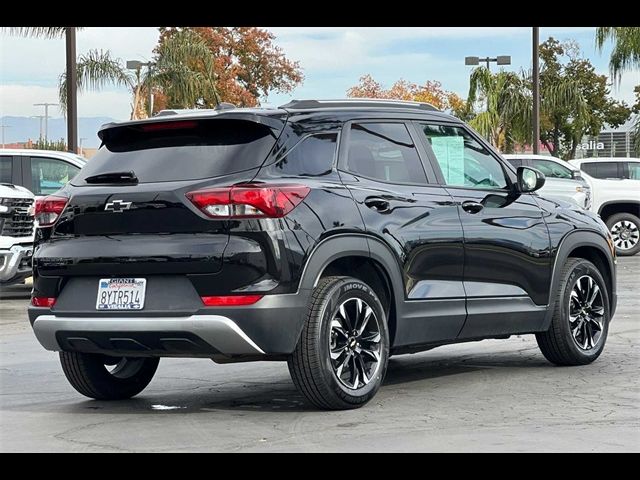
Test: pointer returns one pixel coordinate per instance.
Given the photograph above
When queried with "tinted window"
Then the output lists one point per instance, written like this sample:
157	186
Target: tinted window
6	164
49	175
601	169
551	169
312	156
384	151
516	162
464	162
633	171
184	150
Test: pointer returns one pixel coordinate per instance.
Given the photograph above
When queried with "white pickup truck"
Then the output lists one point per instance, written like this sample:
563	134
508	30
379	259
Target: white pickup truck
615	189
16	233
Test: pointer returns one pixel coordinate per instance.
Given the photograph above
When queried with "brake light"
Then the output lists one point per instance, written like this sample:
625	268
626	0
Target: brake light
154	127
249	201
43	301
48	209
230	300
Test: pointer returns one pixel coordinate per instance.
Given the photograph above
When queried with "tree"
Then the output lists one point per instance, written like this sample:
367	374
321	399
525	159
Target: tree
430	92
581	105
59	32
626	48
506	117
246	64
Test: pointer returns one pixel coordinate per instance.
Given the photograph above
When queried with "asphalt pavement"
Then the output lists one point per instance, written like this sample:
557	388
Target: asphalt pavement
494	395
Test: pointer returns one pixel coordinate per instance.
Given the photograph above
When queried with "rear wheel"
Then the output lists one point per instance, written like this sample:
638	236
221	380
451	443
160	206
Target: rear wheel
108	378
580	321
625	230
341	357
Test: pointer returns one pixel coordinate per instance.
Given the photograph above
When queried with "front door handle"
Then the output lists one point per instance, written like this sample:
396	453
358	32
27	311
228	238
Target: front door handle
378	204
472	207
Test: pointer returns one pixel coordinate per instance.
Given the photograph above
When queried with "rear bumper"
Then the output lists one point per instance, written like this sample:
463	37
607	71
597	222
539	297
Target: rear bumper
15	263
270	328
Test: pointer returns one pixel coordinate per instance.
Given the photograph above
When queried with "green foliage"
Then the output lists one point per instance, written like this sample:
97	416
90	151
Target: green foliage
626	48
575	100
58	145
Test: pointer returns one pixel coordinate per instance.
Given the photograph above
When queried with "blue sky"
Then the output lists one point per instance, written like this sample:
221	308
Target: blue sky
332	60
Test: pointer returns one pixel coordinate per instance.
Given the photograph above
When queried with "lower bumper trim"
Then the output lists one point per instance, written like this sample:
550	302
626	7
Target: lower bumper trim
222	333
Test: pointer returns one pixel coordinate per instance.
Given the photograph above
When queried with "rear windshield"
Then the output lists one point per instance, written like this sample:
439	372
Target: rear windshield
181	150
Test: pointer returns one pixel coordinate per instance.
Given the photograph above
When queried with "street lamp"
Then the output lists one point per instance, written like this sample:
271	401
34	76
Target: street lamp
137	65
500	60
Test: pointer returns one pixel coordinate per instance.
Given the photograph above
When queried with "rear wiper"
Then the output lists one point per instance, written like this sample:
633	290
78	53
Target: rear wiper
113	177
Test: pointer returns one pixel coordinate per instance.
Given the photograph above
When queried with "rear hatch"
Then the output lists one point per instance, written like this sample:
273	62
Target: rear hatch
127	212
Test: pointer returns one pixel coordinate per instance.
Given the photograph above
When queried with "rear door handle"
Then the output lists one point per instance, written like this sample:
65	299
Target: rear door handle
472	207
377	204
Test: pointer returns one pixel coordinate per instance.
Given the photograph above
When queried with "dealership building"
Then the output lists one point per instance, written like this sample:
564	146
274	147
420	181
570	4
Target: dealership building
611	142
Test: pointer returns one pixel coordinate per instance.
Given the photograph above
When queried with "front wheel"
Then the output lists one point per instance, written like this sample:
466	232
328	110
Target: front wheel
108	378
341	356
581	315
625	230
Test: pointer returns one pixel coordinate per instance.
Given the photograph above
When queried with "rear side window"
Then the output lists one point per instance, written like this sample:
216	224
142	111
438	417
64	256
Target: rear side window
6	164
48	175
182	150
601	169
633	171
312	156
551	169
385	152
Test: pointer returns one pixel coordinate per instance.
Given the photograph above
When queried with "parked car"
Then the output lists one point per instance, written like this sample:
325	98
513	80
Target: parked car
41	171
16	232
564	181
615	185
328	234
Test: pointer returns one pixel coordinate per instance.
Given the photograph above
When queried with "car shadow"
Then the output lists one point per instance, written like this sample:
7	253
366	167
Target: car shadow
281	395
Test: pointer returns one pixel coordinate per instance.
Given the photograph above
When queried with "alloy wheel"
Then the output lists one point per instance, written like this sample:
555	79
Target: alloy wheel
355	343
586	313
626	234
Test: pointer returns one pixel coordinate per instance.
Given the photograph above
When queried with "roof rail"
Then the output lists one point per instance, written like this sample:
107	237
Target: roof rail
357	102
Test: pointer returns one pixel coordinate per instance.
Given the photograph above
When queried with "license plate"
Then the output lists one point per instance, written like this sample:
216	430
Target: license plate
121	293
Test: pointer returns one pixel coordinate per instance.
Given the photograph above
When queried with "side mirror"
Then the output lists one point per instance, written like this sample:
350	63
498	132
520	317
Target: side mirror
529	179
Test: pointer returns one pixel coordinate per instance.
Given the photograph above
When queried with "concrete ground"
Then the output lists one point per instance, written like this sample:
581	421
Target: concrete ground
486	396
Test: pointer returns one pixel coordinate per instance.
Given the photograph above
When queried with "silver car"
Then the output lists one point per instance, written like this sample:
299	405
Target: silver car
564	181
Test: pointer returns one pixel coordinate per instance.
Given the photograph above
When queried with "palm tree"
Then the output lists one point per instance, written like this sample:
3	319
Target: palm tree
625	56
70	34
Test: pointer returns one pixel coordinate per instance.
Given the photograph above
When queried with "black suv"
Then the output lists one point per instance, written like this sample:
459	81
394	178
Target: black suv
328	234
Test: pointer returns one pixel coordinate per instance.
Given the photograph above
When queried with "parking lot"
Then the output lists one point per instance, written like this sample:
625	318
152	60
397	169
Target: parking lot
484	396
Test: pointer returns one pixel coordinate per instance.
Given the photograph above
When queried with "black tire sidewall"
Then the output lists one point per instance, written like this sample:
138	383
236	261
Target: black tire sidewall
584	268
611	221
344	290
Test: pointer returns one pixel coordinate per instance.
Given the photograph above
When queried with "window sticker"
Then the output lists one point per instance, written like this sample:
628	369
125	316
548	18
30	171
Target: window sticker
450	154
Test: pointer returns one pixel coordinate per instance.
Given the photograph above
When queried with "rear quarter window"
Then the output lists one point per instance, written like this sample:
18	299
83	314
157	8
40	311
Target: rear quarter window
182	150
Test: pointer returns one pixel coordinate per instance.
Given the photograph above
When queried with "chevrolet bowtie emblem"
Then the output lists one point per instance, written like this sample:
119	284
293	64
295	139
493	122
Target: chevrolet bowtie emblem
117	206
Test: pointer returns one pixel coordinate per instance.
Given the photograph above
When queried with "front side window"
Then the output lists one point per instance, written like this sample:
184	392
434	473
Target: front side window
384	152
516	162
464	162
634	170
551	169
49	175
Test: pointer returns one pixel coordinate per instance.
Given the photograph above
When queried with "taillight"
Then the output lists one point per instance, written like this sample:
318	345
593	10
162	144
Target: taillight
43	301
48	209
249	201
230	300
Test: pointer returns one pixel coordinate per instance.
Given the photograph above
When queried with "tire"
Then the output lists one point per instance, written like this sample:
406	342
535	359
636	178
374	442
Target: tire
319	377
558	344
89	375
625	229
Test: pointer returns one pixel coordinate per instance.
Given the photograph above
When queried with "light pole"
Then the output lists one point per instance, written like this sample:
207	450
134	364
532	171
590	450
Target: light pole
41	117
46	117
500	60
137	65
72	90
80	146
535	114
2	127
